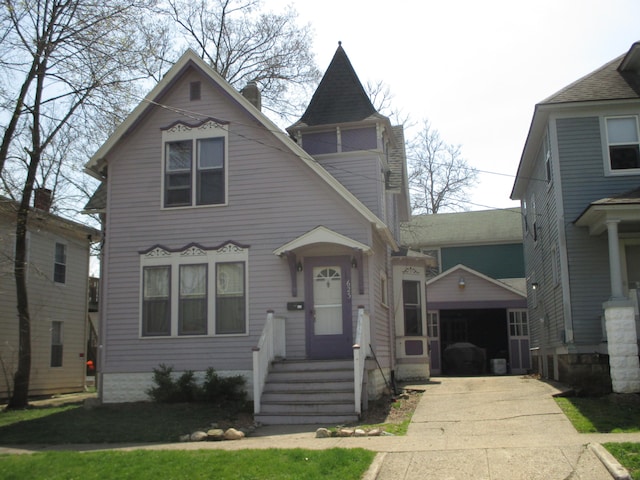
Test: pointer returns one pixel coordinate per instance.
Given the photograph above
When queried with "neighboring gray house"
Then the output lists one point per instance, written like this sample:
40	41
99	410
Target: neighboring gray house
57	283
231	245
476	290
578	182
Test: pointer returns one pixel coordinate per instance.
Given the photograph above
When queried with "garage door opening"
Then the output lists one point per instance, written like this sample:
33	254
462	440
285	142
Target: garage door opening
471	338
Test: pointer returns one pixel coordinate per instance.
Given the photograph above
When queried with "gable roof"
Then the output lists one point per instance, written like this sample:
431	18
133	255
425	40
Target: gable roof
483	227
507	289
41	219
190	59
340	97
616	81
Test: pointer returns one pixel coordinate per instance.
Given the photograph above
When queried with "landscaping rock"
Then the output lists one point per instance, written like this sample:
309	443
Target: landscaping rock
185	438
233	434
323	433
358	432
375	432
198	436
345	432
215	434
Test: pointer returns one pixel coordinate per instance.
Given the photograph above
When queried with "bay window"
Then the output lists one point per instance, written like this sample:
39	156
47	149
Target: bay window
179	300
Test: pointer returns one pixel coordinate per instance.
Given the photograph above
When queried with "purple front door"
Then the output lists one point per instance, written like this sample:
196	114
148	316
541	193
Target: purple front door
328	307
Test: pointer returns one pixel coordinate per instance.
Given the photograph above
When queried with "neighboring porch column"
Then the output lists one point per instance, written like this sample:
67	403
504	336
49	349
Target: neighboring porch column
622	340
614	260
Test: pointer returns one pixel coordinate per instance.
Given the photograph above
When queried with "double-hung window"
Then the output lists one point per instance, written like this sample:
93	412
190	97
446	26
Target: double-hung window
60	263
623	143
412	307
56	344
195	164
194	291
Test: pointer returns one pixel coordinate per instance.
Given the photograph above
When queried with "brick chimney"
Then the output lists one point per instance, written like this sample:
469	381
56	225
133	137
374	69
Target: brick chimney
42	199
252	93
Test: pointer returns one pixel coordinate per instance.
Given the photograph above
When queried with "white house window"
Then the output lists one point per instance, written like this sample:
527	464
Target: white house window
623	142
384	296
156	312
178	299
60	263
230	298
56	344
412	307
195	165
518	325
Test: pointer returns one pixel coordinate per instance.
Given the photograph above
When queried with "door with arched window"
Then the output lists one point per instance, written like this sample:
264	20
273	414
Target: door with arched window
328	307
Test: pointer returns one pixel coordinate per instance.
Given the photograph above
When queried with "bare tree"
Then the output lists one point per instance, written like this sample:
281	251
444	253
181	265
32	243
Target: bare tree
439	177
382	99
243	43
71	62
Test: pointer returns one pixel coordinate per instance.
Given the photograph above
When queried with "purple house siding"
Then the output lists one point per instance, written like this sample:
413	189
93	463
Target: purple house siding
256	179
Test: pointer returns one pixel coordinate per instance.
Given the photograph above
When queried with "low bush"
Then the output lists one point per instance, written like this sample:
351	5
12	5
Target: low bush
221	391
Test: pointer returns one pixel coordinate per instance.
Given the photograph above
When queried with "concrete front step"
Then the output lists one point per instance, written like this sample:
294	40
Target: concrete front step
294	419
308	392
311	408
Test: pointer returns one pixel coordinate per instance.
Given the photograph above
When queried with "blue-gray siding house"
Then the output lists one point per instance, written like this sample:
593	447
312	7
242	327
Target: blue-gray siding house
578	182
234	245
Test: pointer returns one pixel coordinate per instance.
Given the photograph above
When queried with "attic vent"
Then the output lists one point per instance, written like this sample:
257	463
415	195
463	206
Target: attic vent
194	91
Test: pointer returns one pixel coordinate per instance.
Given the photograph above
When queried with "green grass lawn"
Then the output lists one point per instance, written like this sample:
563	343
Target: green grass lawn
123	423
609	414
601	414
628	454
345	464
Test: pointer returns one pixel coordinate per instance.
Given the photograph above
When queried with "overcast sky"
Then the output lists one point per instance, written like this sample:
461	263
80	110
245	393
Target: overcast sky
474	68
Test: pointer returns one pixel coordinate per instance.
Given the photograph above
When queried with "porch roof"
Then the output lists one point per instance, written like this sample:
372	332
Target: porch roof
321	234
624	208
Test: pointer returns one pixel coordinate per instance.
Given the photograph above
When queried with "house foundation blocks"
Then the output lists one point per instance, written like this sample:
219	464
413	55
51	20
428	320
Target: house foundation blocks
622	345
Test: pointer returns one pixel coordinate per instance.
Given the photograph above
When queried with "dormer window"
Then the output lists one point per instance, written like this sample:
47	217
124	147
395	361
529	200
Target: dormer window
195	170
623	143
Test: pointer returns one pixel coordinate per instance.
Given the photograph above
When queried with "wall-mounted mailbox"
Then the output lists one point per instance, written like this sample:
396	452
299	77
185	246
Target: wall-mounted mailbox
295	306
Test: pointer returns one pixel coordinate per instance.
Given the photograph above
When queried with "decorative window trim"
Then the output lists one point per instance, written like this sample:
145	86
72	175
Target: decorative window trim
609	171
210	128
194	254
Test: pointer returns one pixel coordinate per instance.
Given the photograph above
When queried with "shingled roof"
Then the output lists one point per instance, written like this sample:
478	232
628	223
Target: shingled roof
618	79
340	97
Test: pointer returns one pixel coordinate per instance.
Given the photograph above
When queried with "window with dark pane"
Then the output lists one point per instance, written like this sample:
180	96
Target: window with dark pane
192	310
178	173
60	263
156	312
623	143
412	307
56	344
211	181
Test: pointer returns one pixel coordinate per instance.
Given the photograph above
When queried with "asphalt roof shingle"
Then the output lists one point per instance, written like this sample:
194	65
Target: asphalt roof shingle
340	97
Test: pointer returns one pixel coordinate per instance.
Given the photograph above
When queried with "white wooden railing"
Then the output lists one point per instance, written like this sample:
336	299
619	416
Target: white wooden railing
360	349
270	346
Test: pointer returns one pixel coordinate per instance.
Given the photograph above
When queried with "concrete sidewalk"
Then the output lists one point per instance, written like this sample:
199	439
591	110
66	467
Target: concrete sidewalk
463	428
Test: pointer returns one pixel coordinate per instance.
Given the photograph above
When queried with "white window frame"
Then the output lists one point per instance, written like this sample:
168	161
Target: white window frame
194	255
60	340
209	129
518	322
384	289
606	144
56	263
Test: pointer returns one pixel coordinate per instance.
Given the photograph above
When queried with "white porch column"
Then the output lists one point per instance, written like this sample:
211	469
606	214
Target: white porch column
614	259
620	323
622	346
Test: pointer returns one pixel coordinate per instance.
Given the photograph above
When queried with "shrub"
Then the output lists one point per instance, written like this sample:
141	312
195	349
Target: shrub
222	391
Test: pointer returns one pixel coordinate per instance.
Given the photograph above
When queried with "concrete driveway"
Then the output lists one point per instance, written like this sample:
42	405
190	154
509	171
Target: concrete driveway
492	428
